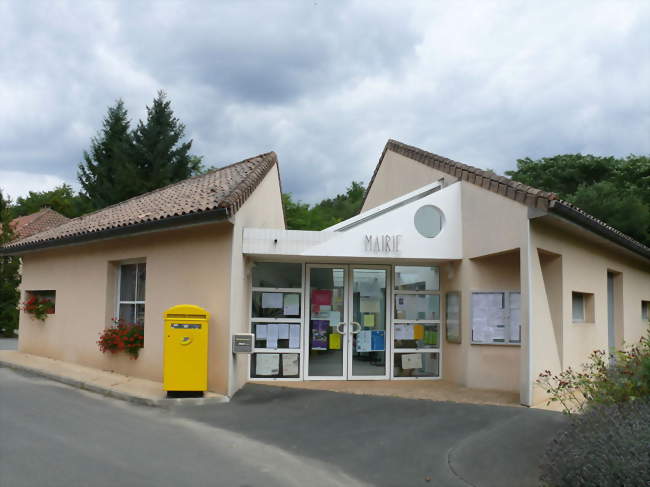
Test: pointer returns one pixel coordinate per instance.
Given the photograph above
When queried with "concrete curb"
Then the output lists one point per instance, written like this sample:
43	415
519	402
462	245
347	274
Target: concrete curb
115	394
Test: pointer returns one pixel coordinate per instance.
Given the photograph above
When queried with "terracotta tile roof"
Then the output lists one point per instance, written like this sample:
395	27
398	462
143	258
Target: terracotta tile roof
524	194
44	219
215	195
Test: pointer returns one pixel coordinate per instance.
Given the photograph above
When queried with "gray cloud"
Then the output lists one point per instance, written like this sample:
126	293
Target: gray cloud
324	84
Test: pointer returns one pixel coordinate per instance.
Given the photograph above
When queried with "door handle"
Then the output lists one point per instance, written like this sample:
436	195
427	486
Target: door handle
338	327
358	329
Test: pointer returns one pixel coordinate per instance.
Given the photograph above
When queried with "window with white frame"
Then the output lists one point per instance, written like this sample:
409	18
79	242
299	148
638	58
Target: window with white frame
496	317
276	320
645	310
416	322
131	292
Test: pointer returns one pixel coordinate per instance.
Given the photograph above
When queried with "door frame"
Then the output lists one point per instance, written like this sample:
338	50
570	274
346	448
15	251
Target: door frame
307	317
387	325
346	320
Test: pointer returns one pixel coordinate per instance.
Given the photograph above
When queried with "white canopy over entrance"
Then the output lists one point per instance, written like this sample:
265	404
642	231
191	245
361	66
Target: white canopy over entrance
422	225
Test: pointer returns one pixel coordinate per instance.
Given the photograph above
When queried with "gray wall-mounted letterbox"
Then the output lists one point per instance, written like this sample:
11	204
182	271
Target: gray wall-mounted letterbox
243	343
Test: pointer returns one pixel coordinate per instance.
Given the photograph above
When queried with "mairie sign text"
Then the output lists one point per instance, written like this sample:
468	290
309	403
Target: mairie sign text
381	243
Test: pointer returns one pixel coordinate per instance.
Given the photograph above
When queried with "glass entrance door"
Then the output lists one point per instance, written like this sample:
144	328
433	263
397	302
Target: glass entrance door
326	337
367	323
347	318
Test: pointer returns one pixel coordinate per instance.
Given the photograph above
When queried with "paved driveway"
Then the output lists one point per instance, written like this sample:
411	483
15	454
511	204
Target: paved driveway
55	435
388	441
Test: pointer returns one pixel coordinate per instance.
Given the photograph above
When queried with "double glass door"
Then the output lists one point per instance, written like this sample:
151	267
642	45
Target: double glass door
347	317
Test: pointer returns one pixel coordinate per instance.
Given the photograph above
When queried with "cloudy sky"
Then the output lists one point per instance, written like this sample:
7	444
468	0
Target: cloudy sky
326	83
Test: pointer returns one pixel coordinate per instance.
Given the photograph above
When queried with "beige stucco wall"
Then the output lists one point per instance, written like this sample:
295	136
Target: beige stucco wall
583	267
492	235
185	266
263	209
398	175
481	366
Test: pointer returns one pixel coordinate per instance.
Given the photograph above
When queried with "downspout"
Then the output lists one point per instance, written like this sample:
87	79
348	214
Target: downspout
529	286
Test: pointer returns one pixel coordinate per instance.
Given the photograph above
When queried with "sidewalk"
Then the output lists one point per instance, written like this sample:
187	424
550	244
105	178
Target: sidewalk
132	389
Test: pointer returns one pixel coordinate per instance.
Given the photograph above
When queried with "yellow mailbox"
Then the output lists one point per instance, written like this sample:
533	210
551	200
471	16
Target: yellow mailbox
186	349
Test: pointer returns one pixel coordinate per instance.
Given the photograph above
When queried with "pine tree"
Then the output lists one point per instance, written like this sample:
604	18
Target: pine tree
109	173
9	276
161	154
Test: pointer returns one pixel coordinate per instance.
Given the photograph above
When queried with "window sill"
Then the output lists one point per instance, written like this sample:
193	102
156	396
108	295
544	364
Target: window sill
497	344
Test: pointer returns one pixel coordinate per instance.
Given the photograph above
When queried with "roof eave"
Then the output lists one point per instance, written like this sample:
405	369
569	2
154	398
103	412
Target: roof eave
209	216
579	218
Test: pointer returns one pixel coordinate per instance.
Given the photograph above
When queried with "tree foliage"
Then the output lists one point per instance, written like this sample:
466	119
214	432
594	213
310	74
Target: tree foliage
109	173
161	155
330	211
9	276
616	191
123	163
62	199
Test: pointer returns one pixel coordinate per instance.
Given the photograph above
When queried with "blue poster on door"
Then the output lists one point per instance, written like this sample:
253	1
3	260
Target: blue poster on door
378	340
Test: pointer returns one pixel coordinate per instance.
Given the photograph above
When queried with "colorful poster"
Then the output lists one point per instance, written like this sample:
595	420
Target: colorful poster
369	320
319	332
418	332
335	341
321	297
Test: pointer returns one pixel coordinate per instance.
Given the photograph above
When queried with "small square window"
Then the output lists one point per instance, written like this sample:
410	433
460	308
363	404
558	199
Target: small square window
582	307
578	307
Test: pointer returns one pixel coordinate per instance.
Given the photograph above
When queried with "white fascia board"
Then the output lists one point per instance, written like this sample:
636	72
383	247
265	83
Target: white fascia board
378	210
396	222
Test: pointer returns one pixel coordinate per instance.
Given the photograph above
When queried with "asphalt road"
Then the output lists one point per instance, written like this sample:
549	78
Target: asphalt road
53	435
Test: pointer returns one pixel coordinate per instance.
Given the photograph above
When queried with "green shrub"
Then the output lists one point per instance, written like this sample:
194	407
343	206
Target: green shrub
604	379
608	445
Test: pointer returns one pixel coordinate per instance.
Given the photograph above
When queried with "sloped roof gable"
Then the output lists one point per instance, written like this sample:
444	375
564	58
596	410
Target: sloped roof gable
506	187
218	193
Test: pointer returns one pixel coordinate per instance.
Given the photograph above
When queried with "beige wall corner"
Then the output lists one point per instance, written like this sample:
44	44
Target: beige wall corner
565	260
184	266
263	209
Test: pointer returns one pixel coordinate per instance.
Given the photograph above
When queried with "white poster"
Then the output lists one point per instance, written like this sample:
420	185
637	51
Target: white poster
412	361
364	341
272	336
403	332
335	318
291	305
487	313
260	332
267	364
294	336
290	364
272	300
283	331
